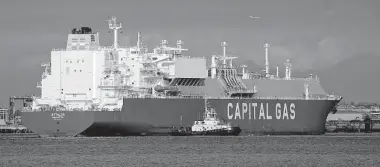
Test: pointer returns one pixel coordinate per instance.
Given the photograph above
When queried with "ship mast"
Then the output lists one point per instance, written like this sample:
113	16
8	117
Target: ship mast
206	108
139	41
224	44
112	64
266	47
277	71
288	69
115	27
206	104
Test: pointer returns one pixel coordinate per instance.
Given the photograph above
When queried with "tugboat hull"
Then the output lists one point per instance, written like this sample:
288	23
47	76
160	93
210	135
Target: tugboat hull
218	132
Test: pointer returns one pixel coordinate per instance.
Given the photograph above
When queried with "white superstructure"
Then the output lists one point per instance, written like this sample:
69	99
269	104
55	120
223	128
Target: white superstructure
87	76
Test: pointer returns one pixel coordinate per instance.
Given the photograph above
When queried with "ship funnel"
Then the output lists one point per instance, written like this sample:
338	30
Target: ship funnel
213	66
266	47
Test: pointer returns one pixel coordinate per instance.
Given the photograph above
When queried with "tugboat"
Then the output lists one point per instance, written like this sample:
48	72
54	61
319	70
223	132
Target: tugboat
210	125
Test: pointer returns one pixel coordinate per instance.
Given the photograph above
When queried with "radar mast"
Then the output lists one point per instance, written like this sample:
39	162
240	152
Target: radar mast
113	25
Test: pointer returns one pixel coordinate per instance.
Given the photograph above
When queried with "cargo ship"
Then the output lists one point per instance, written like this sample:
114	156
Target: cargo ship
92	90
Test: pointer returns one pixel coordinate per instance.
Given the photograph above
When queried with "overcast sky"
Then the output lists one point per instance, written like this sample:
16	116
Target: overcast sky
315	34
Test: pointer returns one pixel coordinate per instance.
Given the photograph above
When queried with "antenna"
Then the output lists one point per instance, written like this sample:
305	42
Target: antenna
115	27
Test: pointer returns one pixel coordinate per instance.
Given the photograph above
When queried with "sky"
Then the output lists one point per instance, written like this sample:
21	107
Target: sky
314	34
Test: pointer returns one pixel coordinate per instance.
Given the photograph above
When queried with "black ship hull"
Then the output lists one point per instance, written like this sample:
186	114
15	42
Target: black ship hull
149	115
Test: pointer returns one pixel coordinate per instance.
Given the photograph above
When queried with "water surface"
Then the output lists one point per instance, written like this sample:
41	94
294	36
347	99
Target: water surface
193	151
